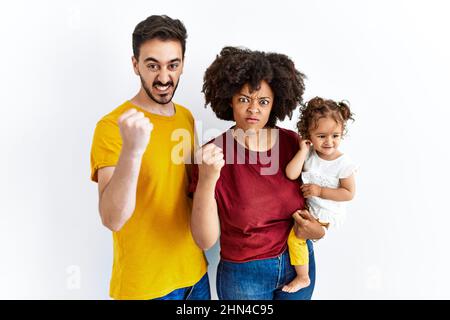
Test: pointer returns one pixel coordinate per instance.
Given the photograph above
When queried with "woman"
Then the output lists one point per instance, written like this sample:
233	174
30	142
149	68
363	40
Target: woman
240	178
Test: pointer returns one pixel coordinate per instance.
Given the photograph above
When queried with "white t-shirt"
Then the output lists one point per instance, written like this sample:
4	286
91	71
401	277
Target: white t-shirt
326	173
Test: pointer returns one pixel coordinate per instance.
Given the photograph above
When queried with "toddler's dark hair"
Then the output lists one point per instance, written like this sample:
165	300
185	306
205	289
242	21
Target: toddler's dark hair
318	108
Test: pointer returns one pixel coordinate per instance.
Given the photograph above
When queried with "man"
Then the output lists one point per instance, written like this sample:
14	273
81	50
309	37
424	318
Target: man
143	196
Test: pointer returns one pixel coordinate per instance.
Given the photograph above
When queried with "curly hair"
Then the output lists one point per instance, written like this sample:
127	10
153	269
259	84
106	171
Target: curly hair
318	108
159	27
234	67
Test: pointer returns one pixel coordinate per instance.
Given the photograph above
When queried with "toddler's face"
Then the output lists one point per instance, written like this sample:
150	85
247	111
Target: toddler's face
326	138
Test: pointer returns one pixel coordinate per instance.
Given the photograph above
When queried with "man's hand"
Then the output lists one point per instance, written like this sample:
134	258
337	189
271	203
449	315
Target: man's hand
135	130
306	226
210	161
311	190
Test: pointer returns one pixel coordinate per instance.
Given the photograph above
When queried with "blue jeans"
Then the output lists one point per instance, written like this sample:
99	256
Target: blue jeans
199	291
262	279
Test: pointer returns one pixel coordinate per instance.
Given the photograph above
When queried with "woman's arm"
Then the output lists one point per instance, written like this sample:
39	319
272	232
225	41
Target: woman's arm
306	226
204	219
345	192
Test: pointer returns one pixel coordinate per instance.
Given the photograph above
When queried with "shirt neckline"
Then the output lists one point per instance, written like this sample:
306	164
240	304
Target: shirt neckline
153	115
324	160
249	150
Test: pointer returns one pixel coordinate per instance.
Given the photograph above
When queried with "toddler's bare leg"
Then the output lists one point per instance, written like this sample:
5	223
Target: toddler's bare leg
300	281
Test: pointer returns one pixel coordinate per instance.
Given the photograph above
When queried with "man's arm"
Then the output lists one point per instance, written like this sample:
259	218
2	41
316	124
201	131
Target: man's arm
117	191
117	185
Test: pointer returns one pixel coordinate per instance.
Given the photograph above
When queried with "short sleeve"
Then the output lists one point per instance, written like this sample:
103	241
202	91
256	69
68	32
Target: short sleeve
194	180
106	146
348	168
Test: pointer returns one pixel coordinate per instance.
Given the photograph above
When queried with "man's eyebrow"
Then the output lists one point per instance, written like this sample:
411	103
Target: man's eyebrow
151	59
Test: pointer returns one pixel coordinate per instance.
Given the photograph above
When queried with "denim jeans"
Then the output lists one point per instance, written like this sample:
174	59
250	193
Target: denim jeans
199	291
262	279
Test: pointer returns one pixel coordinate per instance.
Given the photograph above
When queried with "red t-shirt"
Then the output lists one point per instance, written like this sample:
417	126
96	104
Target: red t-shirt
255	199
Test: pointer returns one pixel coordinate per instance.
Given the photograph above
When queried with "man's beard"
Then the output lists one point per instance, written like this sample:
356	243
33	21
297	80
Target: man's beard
164	99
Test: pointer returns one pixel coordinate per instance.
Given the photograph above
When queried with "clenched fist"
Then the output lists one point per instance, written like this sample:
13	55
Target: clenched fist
210	161
135	130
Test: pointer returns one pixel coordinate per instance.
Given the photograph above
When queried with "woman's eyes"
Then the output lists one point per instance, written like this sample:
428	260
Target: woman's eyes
262	102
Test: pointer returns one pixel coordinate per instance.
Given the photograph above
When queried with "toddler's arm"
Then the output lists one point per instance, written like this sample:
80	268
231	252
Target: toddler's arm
345	192
295	166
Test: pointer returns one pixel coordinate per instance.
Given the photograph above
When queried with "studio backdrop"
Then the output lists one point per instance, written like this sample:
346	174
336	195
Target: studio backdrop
65	64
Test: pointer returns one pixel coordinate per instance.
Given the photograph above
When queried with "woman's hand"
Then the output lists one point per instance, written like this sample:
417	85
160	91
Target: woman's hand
306	226
210	161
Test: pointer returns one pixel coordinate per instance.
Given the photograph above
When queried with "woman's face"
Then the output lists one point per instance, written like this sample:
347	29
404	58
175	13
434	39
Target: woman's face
251	110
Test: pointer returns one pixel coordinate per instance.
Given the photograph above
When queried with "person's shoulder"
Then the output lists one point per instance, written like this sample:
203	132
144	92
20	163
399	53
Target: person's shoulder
346	166
110	120
346	160
116	112
287	132
288	135
221	139
183	111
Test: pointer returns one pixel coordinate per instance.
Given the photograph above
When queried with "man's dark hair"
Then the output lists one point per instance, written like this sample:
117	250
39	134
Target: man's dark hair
234	67
159	27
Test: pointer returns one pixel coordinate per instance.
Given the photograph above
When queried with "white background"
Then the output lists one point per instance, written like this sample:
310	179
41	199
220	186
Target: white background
64	64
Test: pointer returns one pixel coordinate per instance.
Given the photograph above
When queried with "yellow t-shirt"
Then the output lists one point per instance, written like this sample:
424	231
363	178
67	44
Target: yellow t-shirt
154	252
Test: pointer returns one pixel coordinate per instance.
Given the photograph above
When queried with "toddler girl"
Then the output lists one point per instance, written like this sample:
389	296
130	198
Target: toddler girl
327	174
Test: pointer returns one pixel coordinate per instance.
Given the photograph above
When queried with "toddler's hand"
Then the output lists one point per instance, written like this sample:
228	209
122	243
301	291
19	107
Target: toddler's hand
305	144
311	190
